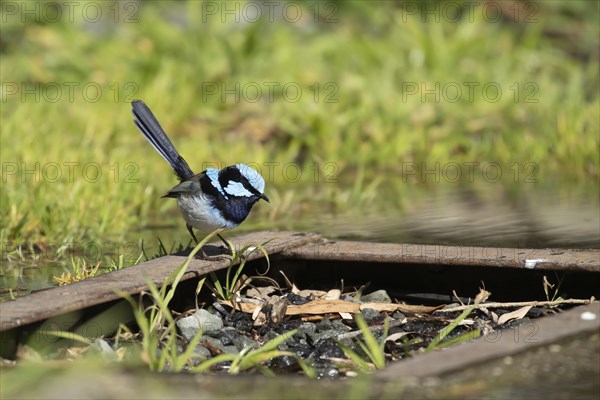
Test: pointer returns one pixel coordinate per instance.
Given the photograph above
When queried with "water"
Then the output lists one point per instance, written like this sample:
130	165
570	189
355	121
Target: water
459	217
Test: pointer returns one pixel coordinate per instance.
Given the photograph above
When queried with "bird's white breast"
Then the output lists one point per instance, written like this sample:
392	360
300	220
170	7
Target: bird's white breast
197	211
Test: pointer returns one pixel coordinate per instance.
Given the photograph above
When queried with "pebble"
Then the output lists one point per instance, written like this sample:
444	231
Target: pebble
369	313
296	300
329	348
378	296
189	326
202	352
324	325
307	330
398	315
285	362
302	350
219	345
242	342
226	335
328	372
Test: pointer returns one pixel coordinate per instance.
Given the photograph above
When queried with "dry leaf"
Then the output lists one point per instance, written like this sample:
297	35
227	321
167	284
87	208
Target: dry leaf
517	314
345	315
323	306
395	336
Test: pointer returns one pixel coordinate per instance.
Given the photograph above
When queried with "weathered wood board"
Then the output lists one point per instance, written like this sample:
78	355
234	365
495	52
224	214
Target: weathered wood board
285	245
101	289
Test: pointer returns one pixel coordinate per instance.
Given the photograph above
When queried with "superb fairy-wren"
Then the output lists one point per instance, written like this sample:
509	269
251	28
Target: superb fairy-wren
211	199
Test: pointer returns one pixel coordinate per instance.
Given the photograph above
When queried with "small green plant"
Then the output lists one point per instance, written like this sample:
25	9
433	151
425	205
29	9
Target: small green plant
548	286
69	336
254	358
162	251
369	345
120	263
232	285
159	331
159	342
80	271
436	342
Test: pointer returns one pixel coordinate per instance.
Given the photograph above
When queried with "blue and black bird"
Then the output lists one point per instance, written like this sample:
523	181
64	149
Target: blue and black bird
211	199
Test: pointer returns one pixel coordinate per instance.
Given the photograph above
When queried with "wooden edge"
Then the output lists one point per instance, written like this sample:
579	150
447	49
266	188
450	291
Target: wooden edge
529	335
133	280
534	259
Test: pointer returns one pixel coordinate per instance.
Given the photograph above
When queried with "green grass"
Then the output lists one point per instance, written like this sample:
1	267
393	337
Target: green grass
437	342
227	290
157	325
373	350
358	129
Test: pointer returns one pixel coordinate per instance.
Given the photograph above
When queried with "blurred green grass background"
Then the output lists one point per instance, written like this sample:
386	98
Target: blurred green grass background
353	130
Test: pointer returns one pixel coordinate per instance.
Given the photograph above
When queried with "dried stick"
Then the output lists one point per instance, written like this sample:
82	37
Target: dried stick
519	304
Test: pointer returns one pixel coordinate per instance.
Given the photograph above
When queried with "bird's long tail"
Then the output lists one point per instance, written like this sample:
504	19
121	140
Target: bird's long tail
147	123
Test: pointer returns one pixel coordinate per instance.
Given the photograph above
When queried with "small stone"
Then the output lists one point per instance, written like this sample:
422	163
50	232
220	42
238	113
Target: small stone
268	336
296	300
226	335
328	348
379	296
325	335
301	350
217	344
324	325
340	326
328	372
243	323
211	324
230	350
397	315
369	313
307	329
242	342
189	326
285	362
286	326
202	352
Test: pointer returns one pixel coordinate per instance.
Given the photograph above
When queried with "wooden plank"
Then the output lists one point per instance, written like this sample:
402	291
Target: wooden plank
291	245
101	289
539	259
539	332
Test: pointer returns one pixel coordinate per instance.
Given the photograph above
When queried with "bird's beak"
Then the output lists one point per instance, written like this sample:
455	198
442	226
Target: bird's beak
265	198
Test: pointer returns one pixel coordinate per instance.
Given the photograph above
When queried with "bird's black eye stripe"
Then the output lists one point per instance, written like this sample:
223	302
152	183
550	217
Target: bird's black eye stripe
232	173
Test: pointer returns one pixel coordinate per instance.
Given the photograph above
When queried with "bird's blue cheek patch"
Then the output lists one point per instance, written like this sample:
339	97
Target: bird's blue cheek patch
237	189
213	175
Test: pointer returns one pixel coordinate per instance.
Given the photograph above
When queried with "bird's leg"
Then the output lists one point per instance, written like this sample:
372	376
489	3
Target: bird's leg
223	240
191	231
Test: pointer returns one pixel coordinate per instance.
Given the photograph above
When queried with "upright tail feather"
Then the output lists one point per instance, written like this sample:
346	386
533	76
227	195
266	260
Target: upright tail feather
147	123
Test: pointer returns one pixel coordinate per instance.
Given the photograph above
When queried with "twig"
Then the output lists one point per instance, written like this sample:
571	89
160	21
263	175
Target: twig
520	304
458	298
